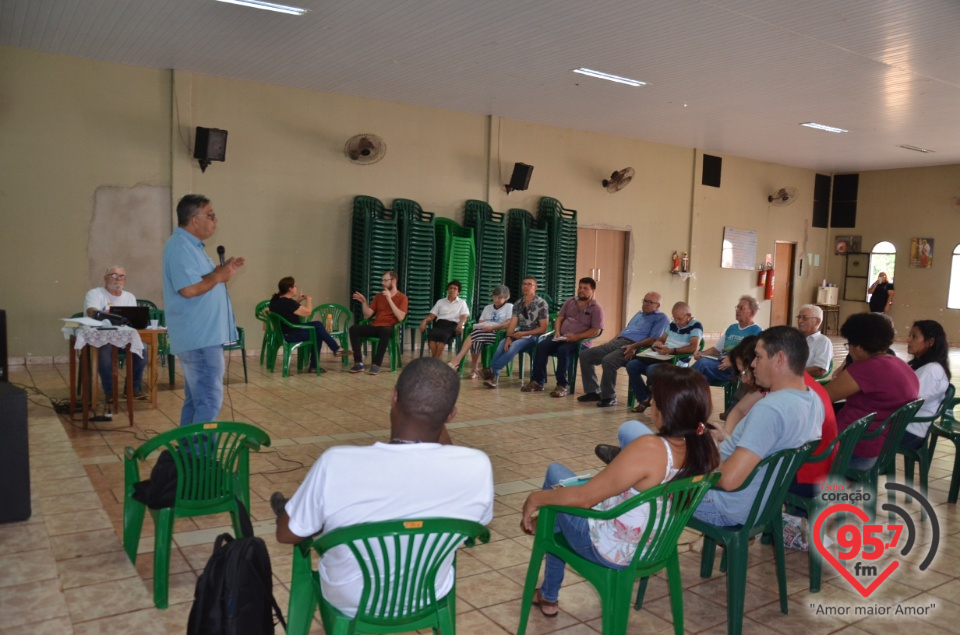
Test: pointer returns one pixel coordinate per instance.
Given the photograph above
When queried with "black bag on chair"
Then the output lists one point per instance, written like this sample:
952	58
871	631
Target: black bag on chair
234	594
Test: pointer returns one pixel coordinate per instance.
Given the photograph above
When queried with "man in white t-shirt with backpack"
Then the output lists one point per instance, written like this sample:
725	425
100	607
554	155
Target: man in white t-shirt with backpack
416	474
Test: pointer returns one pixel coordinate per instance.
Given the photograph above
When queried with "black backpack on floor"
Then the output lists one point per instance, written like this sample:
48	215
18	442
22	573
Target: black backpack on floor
234	594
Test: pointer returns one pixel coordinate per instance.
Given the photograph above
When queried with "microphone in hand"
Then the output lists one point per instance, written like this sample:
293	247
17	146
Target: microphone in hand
220	252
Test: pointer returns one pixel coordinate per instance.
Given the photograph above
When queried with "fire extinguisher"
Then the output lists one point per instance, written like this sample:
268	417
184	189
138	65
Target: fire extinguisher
762	276
768	288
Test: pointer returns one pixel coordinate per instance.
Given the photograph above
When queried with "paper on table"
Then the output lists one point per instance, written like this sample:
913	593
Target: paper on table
87	321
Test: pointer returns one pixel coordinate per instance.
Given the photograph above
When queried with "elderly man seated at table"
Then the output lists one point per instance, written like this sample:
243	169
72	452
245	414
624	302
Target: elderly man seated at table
713	363
101	299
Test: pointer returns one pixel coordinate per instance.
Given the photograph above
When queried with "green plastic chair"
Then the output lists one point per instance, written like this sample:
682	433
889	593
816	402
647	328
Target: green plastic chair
213	474
277	341
394	348
671	506
947	428
573	359
486	353
775	473
240	344
844	442
922	455
340	316
147	303
893	427
262	313
399	592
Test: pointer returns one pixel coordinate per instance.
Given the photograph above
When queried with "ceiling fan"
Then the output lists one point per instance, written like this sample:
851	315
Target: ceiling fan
619	180
783	197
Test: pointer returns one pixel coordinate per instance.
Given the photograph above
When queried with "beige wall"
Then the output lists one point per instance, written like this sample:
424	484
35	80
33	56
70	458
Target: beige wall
284	194
897	205
741	202
68	126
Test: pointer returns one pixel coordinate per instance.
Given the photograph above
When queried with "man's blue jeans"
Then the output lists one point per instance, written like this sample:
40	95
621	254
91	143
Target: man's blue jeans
502	357
710	368
576	531
636	369
203	384
545	350
105	367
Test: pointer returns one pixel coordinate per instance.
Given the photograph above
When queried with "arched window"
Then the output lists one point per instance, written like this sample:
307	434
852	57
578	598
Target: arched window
953	296
883	258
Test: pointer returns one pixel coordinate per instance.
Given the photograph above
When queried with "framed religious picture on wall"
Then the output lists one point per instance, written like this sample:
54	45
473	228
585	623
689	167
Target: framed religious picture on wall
921	252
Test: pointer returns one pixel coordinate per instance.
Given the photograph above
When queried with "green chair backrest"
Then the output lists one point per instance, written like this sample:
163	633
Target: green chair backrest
159	315
340	315
948	423
399	561
212	461
847	441
262	311
147	303
941	413
893	427
775	472
670	507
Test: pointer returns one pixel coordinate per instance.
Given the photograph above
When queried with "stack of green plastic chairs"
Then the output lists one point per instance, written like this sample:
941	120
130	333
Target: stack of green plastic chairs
417	259
491	237
561	225
527	252
375	248
456	258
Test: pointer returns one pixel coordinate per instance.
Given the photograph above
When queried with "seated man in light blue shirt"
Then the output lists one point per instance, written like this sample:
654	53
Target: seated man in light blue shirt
199	316
714	362
643	330
789	416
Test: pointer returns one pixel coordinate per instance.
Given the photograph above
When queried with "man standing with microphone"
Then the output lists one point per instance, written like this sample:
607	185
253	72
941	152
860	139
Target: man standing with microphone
199	315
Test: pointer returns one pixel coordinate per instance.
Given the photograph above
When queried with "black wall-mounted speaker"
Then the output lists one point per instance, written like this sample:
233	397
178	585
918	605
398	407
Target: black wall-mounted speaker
520	180
711	170
210	145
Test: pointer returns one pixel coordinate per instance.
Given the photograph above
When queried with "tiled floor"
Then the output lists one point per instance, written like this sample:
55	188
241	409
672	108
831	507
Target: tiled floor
64	570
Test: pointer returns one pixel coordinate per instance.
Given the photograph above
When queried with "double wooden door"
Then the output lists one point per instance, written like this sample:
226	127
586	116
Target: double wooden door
601	255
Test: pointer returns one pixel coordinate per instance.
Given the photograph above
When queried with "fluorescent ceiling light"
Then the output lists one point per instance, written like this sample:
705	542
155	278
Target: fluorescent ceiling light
609	77
916	148
269	6
820	126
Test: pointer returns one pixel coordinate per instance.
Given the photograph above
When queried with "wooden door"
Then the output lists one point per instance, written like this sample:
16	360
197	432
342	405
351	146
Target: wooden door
601	256
781	305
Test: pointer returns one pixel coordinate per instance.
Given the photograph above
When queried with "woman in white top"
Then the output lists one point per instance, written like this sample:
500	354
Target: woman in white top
448	315
680	406
927	342
494	318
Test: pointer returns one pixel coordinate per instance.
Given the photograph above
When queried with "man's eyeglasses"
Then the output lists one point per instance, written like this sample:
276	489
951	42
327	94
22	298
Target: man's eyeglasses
801	318
212	216
117	276
645	301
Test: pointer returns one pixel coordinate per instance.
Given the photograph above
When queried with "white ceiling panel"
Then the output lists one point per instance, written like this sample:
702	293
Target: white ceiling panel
728	76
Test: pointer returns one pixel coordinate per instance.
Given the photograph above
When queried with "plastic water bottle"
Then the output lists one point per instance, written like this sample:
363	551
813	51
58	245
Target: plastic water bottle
329	323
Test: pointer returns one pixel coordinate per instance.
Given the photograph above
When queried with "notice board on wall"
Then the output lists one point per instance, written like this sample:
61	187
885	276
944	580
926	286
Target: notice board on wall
739	248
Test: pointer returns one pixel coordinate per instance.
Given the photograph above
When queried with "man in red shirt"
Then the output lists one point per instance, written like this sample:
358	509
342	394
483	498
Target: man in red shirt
811	475
388	309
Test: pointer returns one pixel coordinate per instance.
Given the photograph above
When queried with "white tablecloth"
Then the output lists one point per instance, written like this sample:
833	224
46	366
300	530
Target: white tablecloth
119	337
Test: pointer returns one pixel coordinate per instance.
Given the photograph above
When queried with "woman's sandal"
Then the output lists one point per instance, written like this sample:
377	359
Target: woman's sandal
642	406
545	606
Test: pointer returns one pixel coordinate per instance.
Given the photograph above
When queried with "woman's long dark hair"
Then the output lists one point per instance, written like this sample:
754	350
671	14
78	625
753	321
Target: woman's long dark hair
284	285
683	399
937	353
